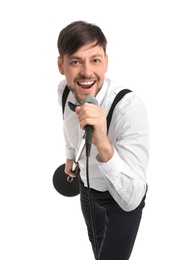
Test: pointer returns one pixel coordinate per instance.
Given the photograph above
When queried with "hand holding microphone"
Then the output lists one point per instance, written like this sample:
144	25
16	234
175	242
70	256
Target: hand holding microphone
92	119
86	115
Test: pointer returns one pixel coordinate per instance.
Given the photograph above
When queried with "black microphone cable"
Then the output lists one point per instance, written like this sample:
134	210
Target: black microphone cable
88	143
90	203
91	210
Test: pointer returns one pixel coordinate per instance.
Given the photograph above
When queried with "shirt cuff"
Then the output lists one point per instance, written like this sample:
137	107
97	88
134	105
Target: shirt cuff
112	168
70	154
113	165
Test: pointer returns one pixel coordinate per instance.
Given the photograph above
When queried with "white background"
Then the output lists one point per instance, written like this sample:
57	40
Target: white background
148	47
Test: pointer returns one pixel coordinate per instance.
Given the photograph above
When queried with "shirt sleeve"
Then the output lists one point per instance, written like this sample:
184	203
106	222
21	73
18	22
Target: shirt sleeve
61	87
69	151
125	172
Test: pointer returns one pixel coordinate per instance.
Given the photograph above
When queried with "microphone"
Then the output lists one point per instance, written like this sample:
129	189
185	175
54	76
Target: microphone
63	183
89	128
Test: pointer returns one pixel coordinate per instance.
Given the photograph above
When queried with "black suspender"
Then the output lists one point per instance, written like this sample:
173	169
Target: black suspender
64	98
118	97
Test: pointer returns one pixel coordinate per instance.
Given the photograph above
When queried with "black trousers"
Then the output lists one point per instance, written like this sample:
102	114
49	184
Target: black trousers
116	229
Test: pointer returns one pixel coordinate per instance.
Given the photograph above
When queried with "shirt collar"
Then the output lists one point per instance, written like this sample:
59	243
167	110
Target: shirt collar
101	94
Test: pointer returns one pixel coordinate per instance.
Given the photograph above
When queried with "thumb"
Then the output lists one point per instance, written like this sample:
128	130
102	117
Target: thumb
77	110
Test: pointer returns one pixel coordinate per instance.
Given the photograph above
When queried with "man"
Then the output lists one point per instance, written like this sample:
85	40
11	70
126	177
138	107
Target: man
119	159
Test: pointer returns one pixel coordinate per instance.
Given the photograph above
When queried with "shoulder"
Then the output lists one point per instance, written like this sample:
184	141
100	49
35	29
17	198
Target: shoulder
130	115
127	102
61	87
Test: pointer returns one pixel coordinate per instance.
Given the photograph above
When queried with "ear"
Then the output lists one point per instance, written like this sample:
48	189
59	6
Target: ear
106	63
60	65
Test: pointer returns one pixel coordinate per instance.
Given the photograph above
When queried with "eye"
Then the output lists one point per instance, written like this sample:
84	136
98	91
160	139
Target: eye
96	60
75	62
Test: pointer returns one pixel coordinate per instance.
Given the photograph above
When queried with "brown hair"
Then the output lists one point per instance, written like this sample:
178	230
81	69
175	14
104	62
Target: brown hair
77	34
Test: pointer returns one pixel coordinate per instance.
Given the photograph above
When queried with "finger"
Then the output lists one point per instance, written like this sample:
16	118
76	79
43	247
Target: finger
71	174
77	110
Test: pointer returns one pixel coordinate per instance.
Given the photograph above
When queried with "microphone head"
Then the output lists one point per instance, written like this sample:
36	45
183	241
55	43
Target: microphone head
89	99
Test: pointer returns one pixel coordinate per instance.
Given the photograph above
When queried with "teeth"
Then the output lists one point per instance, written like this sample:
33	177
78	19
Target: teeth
86	83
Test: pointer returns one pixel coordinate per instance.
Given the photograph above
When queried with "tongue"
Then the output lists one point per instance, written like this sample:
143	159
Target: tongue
85	87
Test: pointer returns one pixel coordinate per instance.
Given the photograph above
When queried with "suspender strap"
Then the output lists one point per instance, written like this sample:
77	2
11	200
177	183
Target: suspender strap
64	98
118	97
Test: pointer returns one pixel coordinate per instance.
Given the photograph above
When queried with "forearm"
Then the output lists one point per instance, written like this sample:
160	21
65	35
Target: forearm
125	185
105	150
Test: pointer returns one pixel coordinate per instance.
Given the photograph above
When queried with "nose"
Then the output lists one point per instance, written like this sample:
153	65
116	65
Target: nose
86	70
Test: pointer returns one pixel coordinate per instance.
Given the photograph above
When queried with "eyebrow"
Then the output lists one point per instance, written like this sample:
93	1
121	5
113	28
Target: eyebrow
79	58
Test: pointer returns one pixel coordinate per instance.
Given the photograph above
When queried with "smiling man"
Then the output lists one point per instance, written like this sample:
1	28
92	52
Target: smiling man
119	158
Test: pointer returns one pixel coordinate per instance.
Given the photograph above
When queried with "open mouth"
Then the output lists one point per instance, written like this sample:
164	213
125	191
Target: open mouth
86	84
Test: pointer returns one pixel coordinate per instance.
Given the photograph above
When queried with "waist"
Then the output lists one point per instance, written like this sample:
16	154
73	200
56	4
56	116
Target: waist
96	181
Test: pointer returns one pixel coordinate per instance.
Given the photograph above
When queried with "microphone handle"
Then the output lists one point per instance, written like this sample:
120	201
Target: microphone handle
82	145
88	139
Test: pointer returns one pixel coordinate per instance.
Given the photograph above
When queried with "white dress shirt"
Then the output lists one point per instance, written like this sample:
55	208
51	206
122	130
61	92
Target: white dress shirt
124	175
